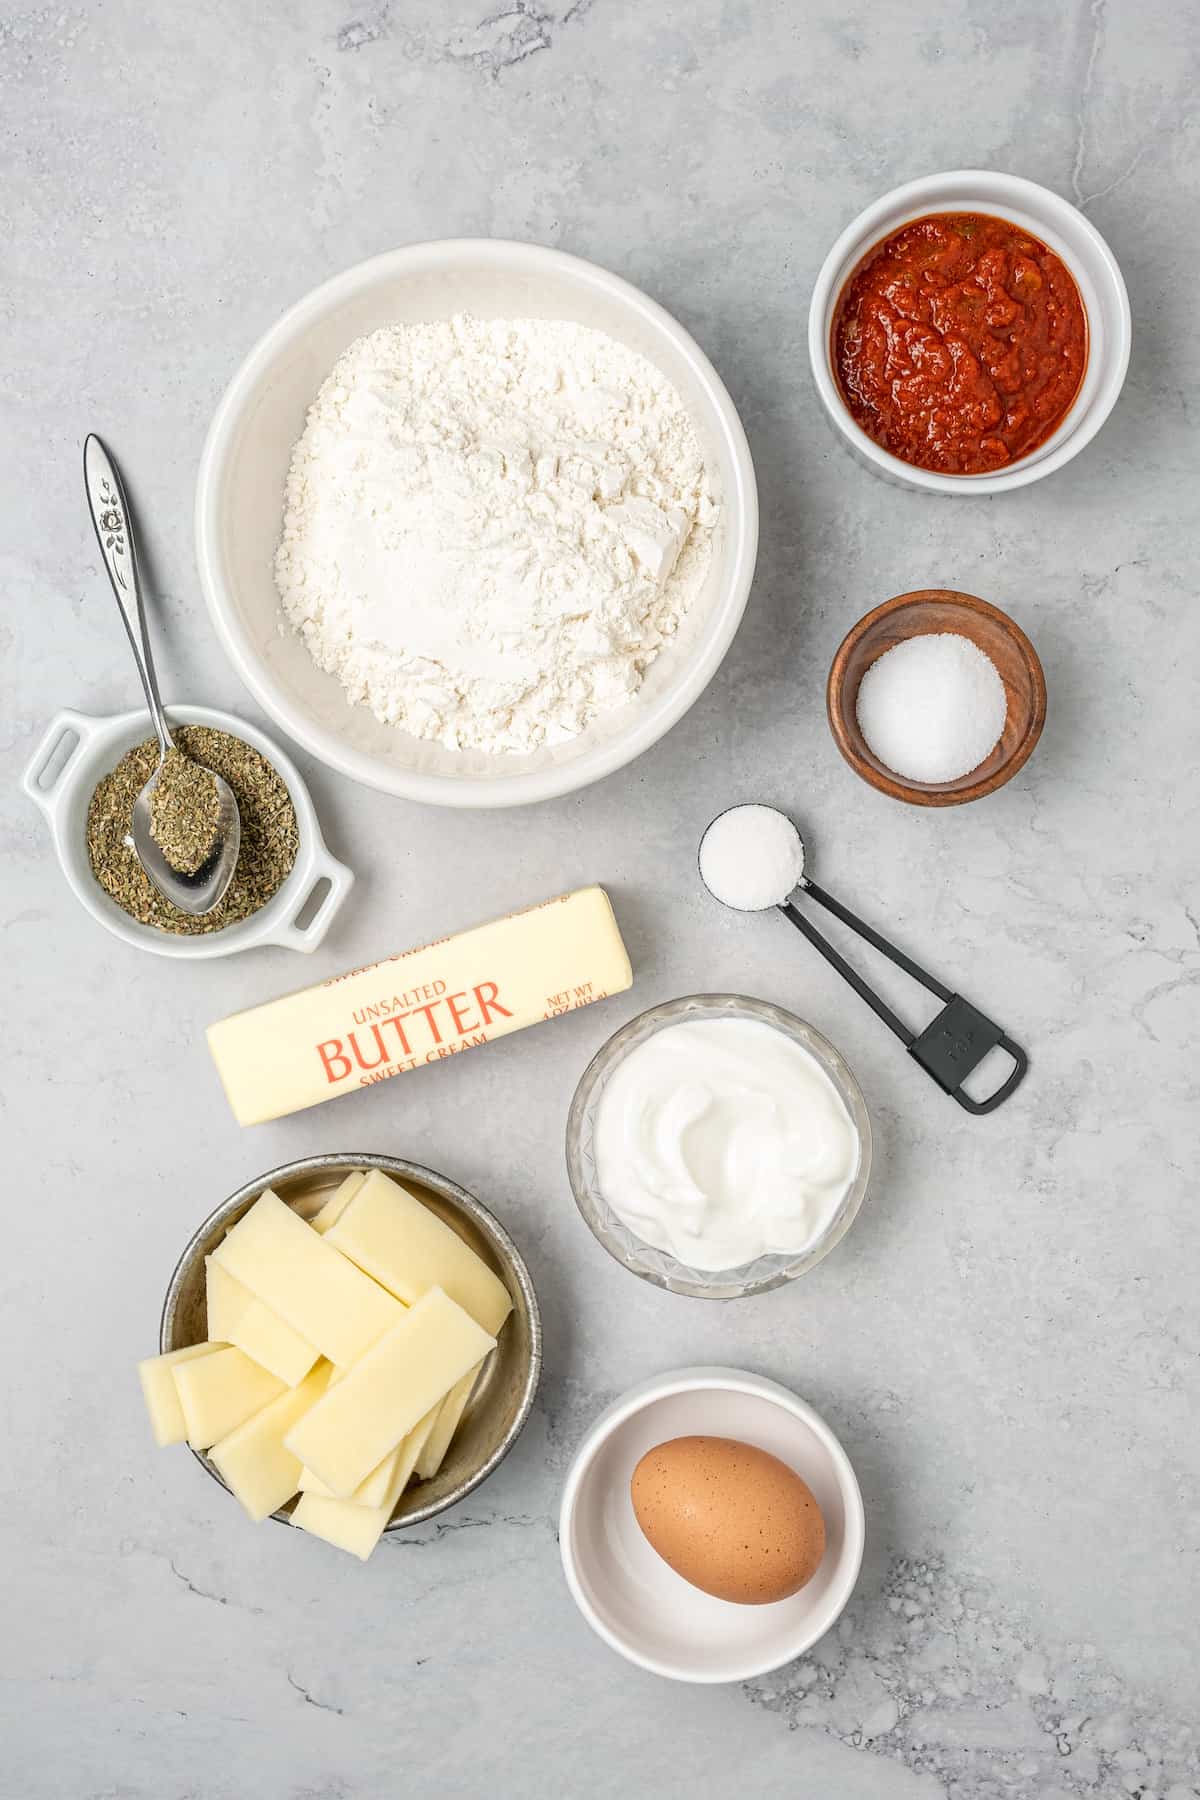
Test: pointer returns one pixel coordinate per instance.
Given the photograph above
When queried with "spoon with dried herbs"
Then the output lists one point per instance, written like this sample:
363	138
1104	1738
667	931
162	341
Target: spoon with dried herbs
185	829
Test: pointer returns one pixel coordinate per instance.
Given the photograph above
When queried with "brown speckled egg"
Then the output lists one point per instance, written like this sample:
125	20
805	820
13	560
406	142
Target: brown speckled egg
731	1519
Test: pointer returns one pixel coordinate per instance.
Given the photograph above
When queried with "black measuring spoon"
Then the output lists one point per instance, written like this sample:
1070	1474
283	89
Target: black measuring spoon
955	1041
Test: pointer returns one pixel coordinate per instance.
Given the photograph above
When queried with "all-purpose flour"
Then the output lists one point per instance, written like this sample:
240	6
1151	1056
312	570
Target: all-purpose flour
492	527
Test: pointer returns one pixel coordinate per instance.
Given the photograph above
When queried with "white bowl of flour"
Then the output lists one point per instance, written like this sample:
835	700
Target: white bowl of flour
476	522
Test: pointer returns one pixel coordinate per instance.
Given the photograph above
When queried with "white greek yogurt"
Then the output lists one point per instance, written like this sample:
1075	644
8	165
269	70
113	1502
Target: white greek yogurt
722	1140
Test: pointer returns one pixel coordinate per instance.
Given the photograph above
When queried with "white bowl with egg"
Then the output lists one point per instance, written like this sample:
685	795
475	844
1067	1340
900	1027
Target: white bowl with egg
239	508
633	1599
683	1140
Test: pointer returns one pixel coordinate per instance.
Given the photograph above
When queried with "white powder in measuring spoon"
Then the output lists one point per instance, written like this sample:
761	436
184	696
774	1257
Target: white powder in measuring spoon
492	527
751	857
933	707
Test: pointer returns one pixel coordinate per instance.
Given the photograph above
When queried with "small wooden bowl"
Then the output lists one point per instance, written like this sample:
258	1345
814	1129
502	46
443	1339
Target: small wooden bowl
915	615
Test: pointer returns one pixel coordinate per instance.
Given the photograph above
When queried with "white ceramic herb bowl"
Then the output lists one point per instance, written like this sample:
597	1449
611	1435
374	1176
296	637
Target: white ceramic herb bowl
239	504
77	751
1068	233
633	1599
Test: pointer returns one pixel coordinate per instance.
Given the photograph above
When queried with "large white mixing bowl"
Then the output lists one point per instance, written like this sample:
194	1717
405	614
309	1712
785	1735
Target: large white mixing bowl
239	506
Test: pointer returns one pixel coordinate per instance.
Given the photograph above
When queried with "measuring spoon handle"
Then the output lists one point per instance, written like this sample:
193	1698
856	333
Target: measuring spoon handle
847	971
877	941
955	1041
113	525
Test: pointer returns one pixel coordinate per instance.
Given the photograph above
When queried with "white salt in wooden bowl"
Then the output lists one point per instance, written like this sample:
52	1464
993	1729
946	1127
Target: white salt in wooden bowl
924	611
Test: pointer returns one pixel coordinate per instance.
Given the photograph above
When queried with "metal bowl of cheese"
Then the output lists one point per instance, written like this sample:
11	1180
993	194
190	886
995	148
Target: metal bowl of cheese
503	1395
240	505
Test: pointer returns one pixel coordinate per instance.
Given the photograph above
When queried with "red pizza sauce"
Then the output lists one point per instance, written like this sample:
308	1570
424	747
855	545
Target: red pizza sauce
959	343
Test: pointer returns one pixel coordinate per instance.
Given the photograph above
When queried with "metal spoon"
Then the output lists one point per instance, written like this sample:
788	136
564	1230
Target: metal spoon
205	888
955	1041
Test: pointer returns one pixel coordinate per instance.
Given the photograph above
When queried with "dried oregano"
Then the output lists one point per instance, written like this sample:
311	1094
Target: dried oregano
270	837
184	811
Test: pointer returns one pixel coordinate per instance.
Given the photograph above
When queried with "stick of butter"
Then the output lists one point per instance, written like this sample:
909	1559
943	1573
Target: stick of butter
420	1007
388	1391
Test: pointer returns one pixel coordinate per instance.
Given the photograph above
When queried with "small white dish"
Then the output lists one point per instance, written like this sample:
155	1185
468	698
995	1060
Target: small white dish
239	510
1059	225
633	1599
77	751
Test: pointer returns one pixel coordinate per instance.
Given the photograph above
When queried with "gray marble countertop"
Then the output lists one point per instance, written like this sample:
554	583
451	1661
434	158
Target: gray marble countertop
1007	1341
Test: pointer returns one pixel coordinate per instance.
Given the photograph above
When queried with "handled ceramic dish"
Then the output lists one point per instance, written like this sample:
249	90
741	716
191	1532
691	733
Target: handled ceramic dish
63	784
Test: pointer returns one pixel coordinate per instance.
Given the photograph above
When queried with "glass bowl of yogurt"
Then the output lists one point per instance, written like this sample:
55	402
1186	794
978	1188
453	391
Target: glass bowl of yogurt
718	1146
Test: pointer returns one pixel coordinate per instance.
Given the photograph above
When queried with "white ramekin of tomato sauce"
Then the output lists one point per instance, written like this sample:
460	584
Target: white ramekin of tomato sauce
969	332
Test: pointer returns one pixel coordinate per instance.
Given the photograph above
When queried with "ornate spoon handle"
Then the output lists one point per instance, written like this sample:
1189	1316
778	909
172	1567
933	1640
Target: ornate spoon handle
114	534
